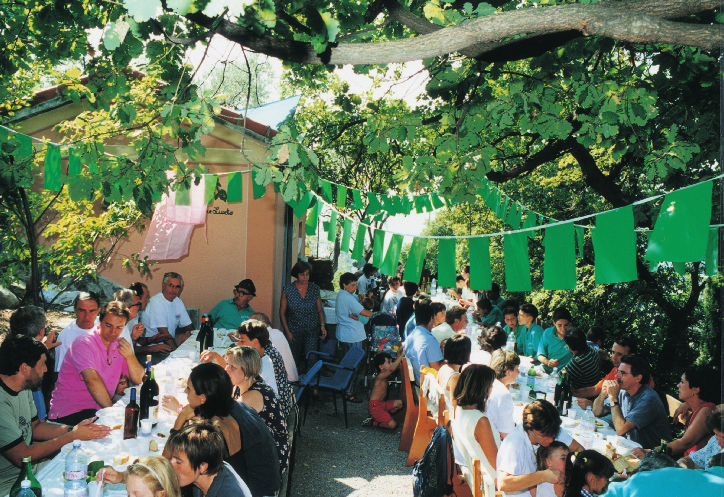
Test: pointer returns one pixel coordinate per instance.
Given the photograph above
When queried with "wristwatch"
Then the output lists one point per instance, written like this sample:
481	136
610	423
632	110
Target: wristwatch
70	428
614	403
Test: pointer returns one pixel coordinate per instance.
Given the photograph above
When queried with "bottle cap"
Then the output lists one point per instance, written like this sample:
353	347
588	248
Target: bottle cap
25	484
76	443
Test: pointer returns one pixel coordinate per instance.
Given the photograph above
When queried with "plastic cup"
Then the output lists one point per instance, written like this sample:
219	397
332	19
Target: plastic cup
146	427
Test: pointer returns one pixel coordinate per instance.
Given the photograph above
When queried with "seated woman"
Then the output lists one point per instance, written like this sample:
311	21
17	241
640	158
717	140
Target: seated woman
243	365
147	477
491	339
472	429
554	456
250	448
698	388
455	355
589	475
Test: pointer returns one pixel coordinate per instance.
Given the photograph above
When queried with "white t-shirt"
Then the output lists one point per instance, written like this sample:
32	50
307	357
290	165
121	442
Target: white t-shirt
499	408
267	373
66	337
442	332
365	284
389	303
126	333
516	456
481	357
161	313
280	343
546	489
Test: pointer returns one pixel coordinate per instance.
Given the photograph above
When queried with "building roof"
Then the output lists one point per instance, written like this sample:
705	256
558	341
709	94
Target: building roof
274	113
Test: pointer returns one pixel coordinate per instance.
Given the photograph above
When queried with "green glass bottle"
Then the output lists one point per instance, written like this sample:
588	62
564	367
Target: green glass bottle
26	473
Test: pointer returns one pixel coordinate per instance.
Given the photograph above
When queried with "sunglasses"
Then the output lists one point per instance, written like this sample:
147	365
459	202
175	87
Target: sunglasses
243	292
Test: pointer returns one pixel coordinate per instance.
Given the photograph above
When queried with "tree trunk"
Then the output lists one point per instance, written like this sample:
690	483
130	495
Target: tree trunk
32	290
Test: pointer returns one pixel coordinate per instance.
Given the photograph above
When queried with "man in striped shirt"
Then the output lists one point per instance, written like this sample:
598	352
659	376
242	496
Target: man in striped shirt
584	370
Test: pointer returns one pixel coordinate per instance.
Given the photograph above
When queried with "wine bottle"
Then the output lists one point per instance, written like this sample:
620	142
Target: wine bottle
130	425
26	473
149	395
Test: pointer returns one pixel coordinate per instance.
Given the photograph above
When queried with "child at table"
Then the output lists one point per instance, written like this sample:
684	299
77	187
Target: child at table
381	409
368	304
555	456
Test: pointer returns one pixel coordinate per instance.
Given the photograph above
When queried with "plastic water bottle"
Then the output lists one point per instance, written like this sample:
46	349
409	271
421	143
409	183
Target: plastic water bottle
25	489
551	390
588	428
510	344
76	469
433	287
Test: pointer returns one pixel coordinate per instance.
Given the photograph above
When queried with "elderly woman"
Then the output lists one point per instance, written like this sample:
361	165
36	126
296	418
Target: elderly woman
243	364
301	312
491	339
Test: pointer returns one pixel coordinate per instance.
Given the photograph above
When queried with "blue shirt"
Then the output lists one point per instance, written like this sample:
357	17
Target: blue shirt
349	330
39	403
529	339
411	323
552	347
421	348
670	482
227	316
646	411
494	316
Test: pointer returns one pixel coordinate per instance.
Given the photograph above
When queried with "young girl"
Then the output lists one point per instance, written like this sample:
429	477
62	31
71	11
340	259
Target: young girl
147	477
555	456
589	475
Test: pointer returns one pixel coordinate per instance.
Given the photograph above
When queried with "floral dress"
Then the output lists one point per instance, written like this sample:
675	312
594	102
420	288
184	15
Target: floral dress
277	424
302	319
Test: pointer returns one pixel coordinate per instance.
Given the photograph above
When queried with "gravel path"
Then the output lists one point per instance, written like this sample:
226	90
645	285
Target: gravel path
332	461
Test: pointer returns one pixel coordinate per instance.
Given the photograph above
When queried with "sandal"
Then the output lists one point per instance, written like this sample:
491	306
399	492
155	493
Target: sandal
353	399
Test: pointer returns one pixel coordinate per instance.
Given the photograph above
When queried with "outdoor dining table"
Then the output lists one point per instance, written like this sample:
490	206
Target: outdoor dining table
171	376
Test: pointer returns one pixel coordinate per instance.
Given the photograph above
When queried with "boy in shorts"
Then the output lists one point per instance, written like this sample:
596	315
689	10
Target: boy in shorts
381	409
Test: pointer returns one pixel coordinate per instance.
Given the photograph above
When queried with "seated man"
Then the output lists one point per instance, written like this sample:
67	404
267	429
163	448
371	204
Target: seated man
92	368
421	348
86	307
229	314
279	341
636	409
529	338
487	313
166	319
141	344
516	466
499	407
456	319
133	329
510	315
552	350
30	321
584	370
22	434
494	296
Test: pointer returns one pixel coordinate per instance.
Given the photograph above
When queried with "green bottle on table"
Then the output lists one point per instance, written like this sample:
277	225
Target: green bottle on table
26	473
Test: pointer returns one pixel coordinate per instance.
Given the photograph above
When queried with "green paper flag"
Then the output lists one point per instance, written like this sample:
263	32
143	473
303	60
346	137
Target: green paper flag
530	222
446	272
303	204
373	205
681	231
580	239
346	235
52	168
258	191
326	190
712	253
492	199
516	213
357	199
387	205
406	205
559	265
503	212
332	227
4	134
480	277
418	203
426	203
209	187
614	246
392	257
359	242
397	205
437	203
378	248
233	188
341	197
74	168
517	264
75	184
415	258
653	265
680	268
313	219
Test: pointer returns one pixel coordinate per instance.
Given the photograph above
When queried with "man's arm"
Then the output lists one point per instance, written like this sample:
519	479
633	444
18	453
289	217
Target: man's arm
135	370
436	365
183	334
96	387
587	392
516	483
621	424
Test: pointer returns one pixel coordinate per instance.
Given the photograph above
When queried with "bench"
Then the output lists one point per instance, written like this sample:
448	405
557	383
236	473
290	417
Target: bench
410	401
429	415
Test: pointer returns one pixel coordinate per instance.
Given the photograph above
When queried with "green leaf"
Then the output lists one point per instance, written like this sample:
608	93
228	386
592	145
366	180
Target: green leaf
142	10
331	24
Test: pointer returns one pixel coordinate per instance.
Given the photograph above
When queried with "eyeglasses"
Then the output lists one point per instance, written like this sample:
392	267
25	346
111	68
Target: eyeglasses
137	304
623	373
243	292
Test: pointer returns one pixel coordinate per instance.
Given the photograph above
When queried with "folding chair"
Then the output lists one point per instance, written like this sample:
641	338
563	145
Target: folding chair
304	384
408	394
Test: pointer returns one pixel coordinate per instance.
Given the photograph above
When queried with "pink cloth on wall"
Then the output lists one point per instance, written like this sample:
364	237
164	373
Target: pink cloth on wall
188	214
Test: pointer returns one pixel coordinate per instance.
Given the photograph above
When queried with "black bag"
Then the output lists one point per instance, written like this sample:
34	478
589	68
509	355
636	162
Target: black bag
432	476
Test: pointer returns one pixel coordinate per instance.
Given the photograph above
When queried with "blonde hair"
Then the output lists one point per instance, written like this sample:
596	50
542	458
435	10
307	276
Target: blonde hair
157	474
247	359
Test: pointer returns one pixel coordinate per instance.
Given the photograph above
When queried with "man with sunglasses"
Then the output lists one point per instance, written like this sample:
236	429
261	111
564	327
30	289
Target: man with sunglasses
229	314
636	409
166	318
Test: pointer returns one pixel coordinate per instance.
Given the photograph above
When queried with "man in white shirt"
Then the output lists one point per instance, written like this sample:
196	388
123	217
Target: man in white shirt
133	328
366	284
456	319
166	319
86	306
499	407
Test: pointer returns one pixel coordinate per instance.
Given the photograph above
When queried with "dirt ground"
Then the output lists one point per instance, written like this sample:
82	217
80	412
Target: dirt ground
56	317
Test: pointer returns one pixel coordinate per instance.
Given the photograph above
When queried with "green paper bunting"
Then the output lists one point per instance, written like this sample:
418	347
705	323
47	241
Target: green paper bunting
387	204
326	191
446	272
681	231
406	205
426	203
680	268
332	227
517	264
373	205
580	240
516	213
397	205
234	191
346	236
52	168
614	247
437	203
357	199
258	191
503	212
480	276
359	242
74	168
418	203
341	197
378	248
209	188
415	259
559	265
313	218
712	253
303	204
392	257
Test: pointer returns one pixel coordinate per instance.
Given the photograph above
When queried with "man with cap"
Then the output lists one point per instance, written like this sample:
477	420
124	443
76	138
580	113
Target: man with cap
229	314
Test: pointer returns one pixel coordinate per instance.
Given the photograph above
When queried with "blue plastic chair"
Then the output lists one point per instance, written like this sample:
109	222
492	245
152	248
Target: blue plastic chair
342	380
304	384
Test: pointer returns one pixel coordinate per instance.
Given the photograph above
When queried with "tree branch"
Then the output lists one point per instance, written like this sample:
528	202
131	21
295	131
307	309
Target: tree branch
594	178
